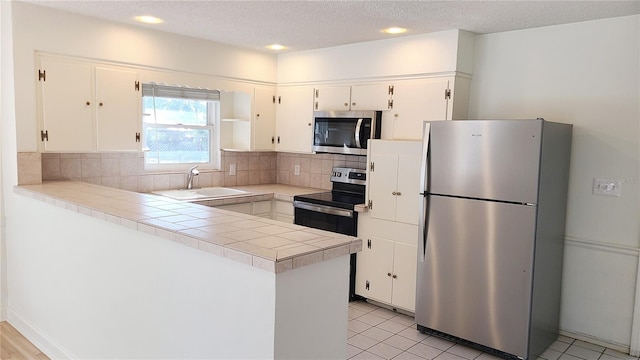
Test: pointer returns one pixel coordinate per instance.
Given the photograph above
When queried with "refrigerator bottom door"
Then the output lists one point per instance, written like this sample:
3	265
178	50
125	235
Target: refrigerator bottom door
476	280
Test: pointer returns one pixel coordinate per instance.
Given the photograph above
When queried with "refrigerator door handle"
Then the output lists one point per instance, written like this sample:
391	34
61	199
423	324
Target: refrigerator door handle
424	207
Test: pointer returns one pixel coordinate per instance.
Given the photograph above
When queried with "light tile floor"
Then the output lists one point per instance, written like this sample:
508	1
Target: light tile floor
379	333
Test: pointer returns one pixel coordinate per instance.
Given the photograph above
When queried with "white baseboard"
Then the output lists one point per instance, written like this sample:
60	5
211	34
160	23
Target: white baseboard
47	345
586	338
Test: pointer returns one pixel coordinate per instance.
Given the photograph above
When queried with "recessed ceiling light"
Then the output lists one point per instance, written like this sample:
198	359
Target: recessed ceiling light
148	19
394	30
276	47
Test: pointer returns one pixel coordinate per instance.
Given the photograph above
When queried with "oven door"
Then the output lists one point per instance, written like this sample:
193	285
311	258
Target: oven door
342	221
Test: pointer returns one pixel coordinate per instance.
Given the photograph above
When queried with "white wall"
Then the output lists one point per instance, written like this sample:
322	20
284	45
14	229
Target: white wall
84	288
586	74
440	52
8	160
43	29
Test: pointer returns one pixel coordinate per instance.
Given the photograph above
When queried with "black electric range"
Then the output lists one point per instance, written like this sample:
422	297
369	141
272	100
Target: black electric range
334	210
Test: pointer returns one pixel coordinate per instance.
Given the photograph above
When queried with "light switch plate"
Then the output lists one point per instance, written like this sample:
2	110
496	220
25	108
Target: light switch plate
607	187
232	170
296	170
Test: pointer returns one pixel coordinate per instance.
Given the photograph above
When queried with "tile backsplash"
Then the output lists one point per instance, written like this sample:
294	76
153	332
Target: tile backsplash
125	170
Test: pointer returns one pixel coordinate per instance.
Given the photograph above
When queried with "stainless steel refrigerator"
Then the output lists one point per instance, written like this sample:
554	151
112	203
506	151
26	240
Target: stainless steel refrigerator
492	233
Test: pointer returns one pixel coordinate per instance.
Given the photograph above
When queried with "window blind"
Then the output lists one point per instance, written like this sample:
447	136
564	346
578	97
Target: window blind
179	92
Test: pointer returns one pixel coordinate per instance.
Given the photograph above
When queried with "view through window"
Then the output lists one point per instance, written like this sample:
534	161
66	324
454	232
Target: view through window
179	126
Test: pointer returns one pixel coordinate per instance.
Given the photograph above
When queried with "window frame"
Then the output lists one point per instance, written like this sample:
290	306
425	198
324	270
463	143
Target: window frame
213	126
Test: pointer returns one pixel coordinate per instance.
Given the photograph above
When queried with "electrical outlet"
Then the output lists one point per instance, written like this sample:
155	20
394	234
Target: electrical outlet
607	187
232	170
296	170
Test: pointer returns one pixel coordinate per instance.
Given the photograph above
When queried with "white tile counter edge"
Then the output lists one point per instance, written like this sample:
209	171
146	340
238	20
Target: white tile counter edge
343	245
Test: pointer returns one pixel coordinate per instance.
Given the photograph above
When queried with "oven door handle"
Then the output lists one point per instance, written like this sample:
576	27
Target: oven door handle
323	209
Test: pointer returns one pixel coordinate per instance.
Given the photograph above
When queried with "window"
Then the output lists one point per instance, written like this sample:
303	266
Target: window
179	127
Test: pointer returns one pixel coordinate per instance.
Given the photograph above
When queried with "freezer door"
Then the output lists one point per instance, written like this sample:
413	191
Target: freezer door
476	280
486	159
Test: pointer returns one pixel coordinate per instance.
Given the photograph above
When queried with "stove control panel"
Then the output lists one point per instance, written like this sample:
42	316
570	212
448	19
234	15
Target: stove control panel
349	175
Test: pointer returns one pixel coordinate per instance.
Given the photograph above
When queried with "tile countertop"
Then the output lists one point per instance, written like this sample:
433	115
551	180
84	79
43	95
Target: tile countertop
266	244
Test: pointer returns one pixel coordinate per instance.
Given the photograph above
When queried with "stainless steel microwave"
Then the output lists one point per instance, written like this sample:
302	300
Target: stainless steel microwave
345	132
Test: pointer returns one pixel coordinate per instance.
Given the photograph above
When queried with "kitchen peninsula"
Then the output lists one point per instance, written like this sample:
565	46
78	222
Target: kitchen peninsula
140	275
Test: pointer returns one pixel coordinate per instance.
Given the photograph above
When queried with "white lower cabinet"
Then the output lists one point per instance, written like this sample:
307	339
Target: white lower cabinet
386	272
279	210
262	209
243	208
386	266
283	211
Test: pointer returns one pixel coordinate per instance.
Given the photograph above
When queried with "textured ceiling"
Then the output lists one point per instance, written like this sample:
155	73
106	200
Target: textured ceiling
303	25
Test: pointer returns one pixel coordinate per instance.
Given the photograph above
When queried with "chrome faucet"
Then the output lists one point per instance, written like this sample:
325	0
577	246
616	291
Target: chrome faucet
190	175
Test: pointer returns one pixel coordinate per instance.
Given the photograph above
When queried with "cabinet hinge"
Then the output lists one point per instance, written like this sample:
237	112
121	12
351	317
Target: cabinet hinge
390	89
369	243
370	204
390	104
372	166
317	93
274	99
316	106
137	137
44	135
42	75
447	94
366	285
136	86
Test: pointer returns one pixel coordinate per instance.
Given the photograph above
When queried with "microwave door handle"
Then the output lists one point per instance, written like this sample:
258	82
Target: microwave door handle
357	135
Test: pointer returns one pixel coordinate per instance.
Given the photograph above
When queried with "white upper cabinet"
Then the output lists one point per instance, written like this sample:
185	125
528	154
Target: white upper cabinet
118	109
393	180
264	118
428	99
356	97
67	109
88	107
294	116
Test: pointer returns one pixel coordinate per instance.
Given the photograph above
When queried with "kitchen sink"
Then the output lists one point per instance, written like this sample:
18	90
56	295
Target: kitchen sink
202	193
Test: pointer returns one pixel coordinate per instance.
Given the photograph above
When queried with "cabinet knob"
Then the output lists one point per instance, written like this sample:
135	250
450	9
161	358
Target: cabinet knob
100	104
398	193
353	104
395	276
388	274
258	115
394	193
309	124
346	104
88	103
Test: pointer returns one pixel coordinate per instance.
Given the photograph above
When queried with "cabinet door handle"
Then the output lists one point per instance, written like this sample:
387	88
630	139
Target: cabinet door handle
88	103
389	274
346	104
395	276
394	193
257	115
100	104
398	193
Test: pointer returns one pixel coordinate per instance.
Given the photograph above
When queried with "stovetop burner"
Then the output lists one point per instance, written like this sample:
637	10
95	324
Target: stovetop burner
348	190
